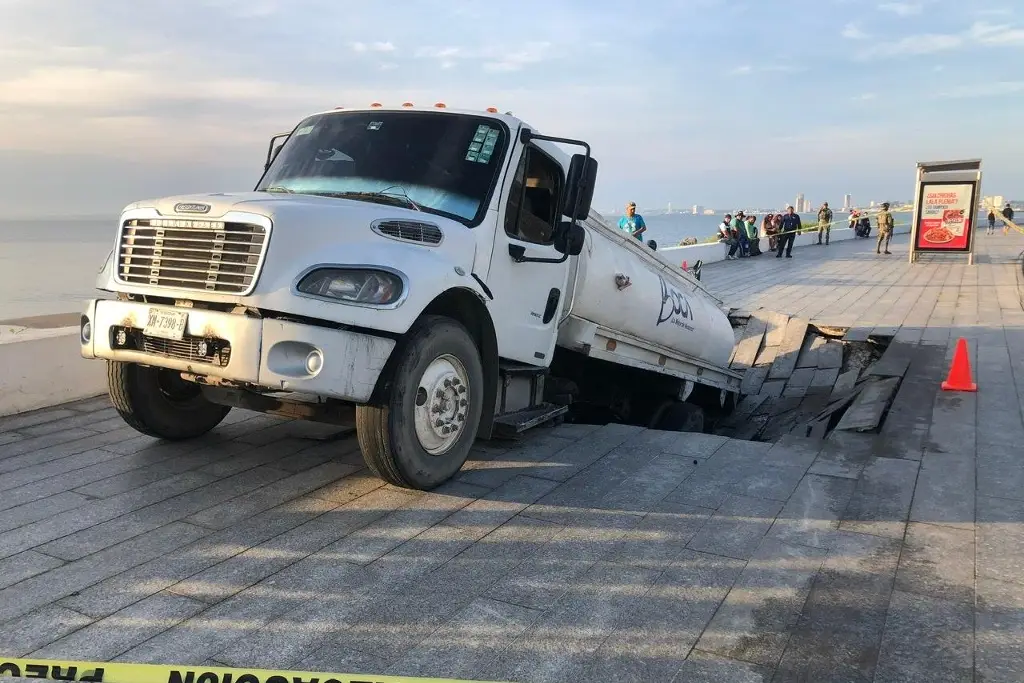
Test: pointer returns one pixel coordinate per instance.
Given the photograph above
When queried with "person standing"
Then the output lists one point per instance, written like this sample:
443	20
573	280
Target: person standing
789	226
725	237
1008	215
991	222
753	237
885	226
768	228
824	222
633	223
739	230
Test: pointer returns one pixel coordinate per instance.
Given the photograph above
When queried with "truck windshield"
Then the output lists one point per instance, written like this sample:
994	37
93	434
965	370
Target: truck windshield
433	161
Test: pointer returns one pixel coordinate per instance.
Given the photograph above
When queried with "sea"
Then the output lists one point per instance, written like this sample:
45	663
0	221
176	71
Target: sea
50	266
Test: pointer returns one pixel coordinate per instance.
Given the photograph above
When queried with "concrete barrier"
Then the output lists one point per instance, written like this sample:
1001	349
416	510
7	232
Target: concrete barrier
44	367
716	251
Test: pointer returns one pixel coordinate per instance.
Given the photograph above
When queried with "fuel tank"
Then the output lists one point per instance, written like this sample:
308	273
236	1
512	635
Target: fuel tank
621	284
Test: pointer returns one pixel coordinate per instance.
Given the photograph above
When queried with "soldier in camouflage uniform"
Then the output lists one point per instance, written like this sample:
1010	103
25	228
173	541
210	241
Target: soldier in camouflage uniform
885	226
824	222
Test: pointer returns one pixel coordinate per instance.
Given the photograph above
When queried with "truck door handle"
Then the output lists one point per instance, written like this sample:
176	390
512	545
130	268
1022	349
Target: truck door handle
549	311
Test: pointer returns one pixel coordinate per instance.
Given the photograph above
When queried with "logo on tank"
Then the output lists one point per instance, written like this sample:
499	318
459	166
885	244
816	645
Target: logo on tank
675	307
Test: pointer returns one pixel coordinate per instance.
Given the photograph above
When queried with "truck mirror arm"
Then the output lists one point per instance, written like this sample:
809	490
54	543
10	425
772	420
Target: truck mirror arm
518	254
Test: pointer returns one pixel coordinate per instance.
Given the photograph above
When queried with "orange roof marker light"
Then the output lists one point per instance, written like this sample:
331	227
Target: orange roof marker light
376	105
440	105
407	104
492	110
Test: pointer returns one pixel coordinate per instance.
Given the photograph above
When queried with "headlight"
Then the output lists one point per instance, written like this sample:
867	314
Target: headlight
371	287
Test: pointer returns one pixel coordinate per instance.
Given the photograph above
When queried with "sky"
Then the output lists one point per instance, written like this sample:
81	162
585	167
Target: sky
716	102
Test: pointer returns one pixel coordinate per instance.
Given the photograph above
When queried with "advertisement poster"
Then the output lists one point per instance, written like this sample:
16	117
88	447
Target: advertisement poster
945	217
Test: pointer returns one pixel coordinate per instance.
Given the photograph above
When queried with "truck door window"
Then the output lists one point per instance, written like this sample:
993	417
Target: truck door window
532	212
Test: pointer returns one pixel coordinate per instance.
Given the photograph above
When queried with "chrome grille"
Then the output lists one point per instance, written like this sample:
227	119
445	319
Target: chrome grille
409	231
195	349
213	256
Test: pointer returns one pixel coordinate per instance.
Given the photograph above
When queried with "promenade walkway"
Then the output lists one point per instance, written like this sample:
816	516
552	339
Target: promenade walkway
581	553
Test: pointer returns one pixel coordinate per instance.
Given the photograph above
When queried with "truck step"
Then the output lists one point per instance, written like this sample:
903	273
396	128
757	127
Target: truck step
511	424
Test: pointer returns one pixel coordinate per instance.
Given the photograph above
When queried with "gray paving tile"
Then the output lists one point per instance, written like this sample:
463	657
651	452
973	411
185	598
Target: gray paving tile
703	667
926	639
754	621
945	491
938	561
1000	539
58	583
21	421
37	628
39	479
88	421
27	513
881	502
107	638
572	459
841	624
999	619
25	565
737	528
811	515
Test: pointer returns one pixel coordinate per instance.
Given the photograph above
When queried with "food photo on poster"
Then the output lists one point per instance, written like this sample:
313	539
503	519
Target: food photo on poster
945	221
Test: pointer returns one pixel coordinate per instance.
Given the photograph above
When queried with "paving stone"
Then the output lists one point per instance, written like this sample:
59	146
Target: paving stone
110	637
945	491
91	421
773	388
809	353
42	589
999	653
867	409
844	382
38	628
881	502
842	621
789	349
1000	539
1000	471
938	561
574	458
40	509
22	421
753	380
811	515
737	528
661	536
830	356
754	620
926	639
25	565
825	378
843	454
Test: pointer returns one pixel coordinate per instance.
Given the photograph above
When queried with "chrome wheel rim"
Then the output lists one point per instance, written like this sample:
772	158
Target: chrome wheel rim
442	404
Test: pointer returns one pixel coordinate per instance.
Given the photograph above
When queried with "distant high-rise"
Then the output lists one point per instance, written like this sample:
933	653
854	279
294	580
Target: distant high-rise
799	204
847	202
669	209
697	209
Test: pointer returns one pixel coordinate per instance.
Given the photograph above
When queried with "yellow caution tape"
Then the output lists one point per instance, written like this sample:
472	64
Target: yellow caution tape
113	672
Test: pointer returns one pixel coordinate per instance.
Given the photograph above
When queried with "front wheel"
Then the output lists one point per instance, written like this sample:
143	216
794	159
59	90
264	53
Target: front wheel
158	402
423	433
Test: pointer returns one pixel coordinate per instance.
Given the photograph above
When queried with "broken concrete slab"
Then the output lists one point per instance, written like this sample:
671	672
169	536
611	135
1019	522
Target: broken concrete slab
789	349
830	356
845	383
866	412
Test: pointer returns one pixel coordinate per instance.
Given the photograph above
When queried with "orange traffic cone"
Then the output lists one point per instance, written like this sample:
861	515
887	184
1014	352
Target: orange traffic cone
960	372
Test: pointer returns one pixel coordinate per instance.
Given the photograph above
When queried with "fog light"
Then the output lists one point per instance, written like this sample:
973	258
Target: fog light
86	331
314	361
202	348
122	338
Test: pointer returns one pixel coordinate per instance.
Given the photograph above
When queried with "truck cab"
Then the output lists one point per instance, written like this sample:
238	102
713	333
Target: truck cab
393	269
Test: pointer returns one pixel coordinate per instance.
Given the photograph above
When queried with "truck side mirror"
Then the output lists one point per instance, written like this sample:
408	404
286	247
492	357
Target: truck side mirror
580	187
569	238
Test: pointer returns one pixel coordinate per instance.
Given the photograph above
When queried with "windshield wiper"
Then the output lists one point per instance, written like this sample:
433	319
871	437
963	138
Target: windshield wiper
382	194
279	189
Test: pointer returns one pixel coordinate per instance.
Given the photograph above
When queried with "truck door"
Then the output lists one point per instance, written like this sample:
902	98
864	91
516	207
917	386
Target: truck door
528	296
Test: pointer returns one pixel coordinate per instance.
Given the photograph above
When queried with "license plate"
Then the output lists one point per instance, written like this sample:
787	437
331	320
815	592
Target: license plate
166	324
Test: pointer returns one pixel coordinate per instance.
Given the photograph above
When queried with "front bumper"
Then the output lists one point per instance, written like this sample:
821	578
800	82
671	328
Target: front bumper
265	352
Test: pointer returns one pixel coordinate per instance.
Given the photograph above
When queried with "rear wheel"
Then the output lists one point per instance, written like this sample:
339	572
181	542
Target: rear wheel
158	402
679	416
423	433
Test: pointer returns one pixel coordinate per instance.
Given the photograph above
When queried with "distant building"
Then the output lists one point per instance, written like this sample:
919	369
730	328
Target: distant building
799	203
872	203
994	201
709	212
847	202
697	209
669	209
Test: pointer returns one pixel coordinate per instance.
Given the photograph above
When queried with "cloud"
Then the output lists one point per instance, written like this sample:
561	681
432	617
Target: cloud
864	97
996	34
744	70
980	33
385	46
977	90
748	69
491	59
903	9
853	32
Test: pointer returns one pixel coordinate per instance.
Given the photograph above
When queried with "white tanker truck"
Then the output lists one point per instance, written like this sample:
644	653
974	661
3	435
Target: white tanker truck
431	276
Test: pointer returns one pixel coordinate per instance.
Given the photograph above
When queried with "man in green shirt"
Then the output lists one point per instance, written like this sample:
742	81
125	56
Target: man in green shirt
885	226
824	222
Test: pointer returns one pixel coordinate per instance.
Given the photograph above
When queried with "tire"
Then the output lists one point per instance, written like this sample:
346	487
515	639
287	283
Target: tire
414	453
157	402
681	417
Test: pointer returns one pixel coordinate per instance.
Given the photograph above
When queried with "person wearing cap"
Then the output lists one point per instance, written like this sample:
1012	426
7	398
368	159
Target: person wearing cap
1008	215
824	222
885	226
789	227
633	223
739	231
